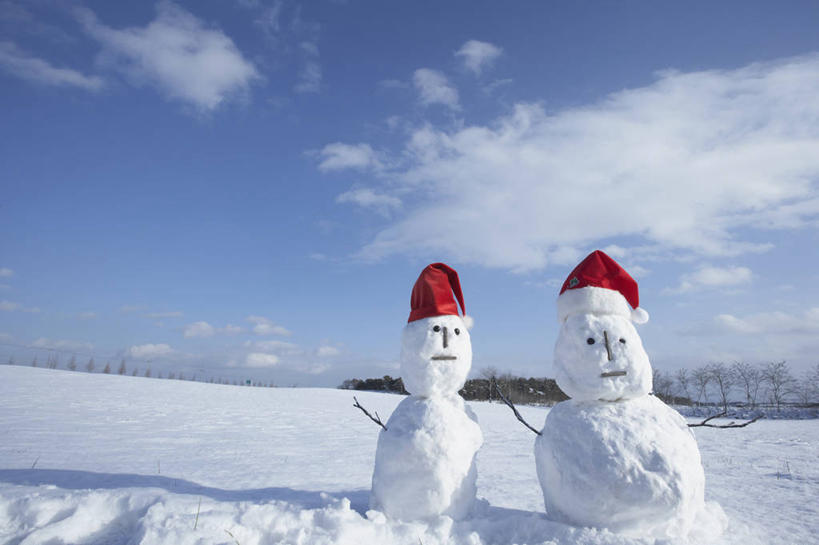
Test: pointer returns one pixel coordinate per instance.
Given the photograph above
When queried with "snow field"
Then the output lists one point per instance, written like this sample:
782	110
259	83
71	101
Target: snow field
126	460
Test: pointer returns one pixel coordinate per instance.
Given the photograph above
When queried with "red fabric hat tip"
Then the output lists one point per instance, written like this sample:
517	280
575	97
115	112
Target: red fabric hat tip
601	271
434	293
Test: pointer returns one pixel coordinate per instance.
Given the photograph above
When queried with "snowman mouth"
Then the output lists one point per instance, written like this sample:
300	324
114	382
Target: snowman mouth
438	358
613	374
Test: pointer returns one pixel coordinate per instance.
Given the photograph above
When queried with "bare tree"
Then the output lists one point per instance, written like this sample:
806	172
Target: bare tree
662	385
491	374
11	360
90	365
135	372
777	377
72	363
700	379
121	369
749	378
807	387
34	362
53	361
107	368
683	381
148	372
721	376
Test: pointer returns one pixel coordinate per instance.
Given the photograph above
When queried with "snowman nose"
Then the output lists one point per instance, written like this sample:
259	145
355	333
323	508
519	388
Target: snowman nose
605	337
445	338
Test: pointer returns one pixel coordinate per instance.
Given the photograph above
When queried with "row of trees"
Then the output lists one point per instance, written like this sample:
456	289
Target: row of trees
752	385
534	391
53	362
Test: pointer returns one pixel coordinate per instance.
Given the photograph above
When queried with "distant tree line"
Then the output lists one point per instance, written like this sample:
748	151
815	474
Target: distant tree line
533	391
770	384
53	362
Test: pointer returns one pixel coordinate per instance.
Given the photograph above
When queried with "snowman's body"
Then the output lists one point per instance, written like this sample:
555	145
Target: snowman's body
425	459
613	456
631	466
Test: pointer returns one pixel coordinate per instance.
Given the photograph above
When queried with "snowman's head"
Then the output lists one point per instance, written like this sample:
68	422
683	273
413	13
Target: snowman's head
601	357
436	355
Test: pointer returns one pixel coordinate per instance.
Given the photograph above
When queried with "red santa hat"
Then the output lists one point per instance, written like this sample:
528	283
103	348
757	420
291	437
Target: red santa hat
432	294
598	285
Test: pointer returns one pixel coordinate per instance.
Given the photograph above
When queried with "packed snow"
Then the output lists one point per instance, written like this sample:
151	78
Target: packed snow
106	459
425	460
632	466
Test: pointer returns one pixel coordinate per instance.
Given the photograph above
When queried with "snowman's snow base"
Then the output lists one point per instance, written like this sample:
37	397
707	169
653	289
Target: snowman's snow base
425	460
630	466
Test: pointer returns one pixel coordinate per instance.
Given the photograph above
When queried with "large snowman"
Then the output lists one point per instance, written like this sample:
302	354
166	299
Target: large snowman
425	460
613	456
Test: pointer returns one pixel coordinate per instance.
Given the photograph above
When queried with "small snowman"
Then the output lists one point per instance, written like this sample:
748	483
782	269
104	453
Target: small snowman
613	456
425	460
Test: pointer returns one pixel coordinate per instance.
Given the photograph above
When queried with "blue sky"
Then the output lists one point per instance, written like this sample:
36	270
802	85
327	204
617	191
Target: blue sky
250	188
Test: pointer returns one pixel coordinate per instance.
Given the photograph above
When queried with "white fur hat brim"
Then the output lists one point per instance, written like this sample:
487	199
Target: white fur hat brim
593	300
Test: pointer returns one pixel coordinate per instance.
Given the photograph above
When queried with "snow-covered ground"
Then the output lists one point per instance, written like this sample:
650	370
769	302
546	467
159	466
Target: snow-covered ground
103	459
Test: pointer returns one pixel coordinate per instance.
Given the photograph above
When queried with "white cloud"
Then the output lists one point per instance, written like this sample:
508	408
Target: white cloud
309	78
68	345
478	55
327	351
10	306
149	351
37	70
88	315
176	53
6	272
770	323
275	346
199	329
260	359
367	198
338	156
713	277
263	326
231	329
434	88
161	315
695	163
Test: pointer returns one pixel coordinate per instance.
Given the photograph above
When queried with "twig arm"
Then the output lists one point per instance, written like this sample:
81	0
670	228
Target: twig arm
514	409
375	418
705	423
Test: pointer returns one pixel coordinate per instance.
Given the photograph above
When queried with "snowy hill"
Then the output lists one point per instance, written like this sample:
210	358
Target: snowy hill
105	459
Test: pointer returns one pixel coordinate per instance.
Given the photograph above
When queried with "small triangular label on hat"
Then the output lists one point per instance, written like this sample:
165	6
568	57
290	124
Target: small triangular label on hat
573	282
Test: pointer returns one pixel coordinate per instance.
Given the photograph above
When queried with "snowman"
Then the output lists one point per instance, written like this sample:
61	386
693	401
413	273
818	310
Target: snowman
613	456
425	459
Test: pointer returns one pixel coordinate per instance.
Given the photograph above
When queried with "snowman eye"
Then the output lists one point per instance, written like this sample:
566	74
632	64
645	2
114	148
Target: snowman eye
623	341
589	341
436	329
457	331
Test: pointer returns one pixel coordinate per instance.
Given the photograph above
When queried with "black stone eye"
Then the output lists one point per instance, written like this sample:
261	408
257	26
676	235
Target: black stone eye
589	341
623	341
436	329
457	331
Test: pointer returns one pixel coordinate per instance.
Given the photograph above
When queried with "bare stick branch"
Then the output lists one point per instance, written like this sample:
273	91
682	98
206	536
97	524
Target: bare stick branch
705	423
375	418
514	409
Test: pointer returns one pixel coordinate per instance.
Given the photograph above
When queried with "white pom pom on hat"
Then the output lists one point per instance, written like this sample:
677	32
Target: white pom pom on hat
599	285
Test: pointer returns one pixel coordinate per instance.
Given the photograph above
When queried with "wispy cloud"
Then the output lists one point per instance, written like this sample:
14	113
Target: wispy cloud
260	359
686	164
6	273
339	156
434	88
87	315
367	198
178	54
10	306
63	344
264	326
163	315
199	329
36	70
478	55
150	351
708	277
